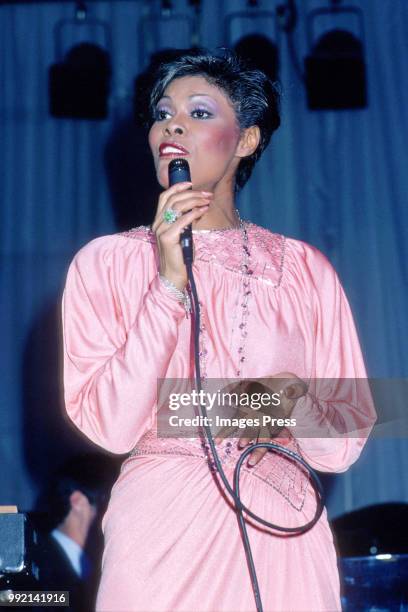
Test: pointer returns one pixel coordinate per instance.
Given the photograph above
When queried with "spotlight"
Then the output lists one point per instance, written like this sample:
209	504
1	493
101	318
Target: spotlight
335	66
79	84
260	52
164	28
257	48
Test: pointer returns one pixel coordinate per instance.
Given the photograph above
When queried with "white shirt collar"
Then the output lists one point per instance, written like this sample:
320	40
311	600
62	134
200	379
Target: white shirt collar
73	550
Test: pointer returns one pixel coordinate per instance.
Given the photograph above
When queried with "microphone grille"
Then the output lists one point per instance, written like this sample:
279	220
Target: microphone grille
175	164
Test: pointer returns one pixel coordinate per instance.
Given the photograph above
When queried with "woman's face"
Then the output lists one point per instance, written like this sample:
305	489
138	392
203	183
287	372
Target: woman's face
196	121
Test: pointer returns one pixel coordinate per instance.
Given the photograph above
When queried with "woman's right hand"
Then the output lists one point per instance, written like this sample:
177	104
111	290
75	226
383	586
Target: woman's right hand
193	205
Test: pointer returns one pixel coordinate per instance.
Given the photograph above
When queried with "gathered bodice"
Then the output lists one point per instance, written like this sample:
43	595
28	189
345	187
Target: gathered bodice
268	304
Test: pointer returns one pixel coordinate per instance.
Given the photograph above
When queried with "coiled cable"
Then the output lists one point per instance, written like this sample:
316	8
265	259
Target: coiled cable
234	491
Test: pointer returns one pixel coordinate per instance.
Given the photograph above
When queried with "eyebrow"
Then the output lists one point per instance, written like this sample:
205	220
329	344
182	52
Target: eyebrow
192	96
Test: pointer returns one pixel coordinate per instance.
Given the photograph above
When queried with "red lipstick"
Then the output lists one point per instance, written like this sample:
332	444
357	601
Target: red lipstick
172	149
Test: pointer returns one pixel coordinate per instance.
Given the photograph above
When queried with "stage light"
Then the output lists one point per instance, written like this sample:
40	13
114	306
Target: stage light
79	84
164	28
256	46
261	52
335	66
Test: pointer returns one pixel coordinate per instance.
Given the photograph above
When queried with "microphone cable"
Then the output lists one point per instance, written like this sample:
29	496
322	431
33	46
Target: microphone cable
179	171
234	491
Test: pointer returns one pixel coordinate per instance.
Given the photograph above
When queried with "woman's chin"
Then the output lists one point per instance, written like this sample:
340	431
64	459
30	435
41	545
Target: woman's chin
162	172
163	179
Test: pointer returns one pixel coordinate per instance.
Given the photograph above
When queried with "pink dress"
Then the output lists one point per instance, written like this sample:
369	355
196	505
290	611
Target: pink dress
172	541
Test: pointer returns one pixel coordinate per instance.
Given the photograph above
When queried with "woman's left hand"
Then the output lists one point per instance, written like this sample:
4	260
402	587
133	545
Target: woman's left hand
289	387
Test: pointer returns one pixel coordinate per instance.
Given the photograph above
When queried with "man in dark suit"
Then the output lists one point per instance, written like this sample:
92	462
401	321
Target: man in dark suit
69	545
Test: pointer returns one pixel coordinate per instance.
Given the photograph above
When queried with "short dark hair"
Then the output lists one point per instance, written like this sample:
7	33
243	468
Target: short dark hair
92	474
254	96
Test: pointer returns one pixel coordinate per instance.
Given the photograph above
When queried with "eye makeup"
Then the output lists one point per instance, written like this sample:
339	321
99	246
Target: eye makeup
196	109
206	103
159	112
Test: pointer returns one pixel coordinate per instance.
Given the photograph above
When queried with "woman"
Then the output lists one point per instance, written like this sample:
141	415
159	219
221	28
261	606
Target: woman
271	308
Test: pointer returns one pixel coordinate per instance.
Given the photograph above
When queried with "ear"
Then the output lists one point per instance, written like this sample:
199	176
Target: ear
77	499
248	141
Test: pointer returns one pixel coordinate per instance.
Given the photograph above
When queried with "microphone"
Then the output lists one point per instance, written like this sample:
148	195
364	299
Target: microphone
179	171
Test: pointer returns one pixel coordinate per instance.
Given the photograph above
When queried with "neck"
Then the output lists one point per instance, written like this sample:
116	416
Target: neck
222	213
74	531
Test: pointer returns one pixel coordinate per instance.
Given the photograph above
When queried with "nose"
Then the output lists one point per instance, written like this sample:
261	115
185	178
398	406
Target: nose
174	126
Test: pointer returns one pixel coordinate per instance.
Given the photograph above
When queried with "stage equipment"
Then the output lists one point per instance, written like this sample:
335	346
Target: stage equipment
373	545
79	82
287	17
17	542
261	52
248	32
374	583
335	66
373	530
166	30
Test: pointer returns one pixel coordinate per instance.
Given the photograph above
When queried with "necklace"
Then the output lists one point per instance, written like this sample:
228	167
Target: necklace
242	301
221	229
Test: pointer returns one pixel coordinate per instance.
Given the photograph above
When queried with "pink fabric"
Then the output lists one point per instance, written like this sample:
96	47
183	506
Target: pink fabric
171	538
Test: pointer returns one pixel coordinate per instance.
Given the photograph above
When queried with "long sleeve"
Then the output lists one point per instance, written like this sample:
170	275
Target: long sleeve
336	415
120	329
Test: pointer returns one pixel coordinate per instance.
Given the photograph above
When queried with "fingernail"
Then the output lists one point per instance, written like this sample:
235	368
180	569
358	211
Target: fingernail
208	193
251	462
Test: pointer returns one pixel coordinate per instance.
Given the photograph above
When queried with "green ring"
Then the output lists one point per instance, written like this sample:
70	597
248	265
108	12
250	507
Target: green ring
170	215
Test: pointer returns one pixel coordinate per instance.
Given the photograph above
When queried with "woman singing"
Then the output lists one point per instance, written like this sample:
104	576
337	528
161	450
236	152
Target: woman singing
271	308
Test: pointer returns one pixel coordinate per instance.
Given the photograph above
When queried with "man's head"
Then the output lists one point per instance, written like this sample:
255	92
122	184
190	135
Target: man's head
79	490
